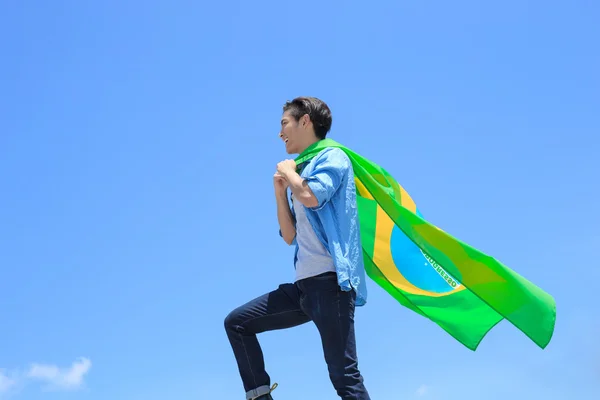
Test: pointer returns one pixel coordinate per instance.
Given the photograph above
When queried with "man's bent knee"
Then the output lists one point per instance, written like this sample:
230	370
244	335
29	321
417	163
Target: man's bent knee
231	320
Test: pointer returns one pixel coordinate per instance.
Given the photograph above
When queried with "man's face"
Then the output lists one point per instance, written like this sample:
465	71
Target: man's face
291	133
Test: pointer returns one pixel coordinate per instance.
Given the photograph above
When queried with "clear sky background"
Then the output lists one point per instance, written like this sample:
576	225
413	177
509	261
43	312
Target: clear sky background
138	140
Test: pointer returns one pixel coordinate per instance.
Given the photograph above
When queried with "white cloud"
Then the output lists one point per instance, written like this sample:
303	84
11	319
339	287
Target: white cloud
6	383
422	390
61	378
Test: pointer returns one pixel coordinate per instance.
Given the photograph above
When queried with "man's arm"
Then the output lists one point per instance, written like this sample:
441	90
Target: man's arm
328	173
301	190
285	218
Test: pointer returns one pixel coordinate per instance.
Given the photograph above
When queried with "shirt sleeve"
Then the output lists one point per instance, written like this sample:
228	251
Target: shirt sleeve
329	171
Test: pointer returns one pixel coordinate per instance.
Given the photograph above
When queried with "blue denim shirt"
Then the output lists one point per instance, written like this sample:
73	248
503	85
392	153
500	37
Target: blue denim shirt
335	219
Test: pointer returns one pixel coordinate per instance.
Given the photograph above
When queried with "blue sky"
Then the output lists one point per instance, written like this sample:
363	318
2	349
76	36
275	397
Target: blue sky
137	146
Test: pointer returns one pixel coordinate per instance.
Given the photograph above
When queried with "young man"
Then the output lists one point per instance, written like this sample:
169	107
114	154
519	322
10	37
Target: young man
330	280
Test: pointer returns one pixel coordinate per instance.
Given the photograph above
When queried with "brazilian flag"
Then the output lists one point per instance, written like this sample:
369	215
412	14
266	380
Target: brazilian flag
463	290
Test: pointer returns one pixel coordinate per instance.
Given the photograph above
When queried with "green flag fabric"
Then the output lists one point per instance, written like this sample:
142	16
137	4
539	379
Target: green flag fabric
463	290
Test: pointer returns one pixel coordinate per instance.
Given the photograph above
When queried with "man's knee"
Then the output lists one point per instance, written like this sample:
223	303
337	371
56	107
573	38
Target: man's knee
231	320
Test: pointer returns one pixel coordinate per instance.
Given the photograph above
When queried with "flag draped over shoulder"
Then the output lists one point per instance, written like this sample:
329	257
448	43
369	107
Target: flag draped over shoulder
463	290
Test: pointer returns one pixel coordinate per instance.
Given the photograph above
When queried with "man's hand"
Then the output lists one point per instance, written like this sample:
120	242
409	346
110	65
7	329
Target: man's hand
297	184
286	167
281	184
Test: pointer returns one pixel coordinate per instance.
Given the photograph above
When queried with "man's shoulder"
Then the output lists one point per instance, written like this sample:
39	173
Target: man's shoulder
333	154
334	160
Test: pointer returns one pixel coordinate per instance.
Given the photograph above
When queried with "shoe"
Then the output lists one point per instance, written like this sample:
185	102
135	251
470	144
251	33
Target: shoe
266	396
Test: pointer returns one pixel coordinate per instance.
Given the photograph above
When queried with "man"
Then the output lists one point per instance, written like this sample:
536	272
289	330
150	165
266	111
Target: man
330	279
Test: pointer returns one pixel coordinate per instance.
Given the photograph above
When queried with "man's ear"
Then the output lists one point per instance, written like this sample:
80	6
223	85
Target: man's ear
305	119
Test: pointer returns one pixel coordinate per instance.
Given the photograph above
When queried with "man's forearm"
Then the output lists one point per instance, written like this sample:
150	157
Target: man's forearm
285	218
301	191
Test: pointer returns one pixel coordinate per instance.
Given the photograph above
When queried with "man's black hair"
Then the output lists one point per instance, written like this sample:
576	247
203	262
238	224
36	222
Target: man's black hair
318	112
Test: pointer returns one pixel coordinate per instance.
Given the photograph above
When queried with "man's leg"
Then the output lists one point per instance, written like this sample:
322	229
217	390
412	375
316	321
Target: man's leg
278	309
332	311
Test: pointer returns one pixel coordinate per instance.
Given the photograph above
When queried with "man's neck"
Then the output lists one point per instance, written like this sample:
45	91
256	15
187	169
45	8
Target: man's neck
306	146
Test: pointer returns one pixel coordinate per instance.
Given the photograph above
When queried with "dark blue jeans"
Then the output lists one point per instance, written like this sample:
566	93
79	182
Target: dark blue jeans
318	299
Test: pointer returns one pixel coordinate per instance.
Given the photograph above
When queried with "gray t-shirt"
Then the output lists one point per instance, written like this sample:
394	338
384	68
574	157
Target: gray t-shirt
313	257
